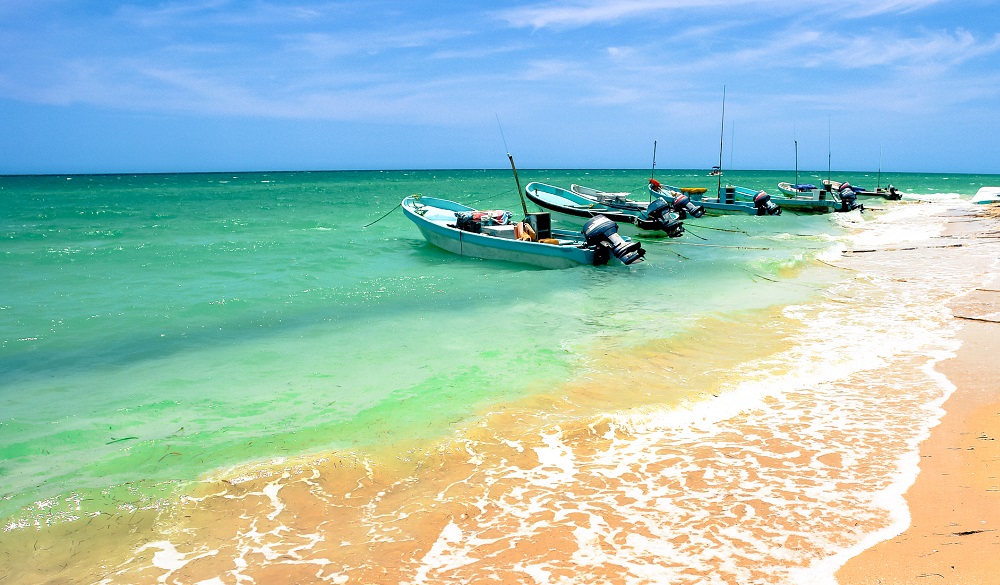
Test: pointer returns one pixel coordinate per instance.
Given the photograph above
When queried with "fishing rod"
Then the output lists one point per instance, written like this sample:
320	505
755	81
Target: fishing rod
517	181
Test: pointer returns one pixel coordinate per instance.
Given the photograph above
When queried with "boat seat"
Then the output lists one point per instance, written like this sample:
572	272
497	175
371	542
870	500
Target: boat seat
436	214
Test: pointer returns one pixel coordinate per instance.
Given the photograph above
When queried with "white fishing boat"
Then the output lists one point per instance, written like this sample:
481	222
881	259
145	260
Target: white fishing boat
890	193
491	235
796	190
987	195
601	196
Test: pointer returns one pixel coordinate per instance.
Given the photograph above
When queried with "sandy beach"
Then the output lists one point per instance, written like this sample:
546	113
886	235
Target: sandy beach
954	533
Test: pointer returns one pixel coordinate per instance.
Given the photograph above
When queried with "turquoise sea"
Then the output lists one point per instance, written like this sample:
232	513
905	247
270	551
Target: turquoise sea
164	334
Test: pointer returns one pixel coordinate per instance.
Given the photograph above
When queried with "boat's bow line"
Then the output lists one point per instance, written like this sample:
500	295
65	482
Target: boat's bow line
602	233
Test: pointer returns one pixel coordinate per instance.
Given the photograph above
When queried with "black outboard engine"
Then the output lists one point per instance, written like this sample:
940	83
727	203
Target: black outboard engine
684	206
659	216
894	194
849	200
762	201
602	233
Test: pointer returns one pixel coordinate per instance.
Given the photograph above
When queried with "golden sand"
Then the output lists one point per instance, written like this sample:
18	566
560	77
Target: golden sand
954	534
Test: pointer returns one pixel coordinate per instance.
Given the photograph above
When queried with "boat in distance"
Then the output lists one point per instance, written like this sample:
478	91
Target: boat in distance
655	215
491	235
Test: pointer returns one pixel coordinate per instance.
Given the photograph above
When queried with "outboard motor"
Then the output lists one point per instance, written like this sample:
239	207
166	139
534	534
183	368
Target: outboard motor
848	200
894	194
659	215
602	233
684	206
762	201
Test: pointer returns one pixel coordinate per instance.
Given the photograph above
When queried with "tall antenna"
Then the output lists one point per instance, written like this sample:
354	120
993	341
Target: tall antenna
517	181
722	133
796	162
879	167
829	149
654	161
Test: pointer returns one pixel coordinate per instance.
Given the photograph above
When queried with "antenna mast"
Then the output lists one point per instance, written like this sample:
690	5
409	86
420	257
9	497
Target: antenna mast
722	133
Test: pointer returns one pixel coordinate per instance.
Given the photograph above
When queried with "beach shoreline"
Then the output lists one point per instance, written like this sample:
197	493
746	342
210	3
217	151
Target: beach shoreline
954	503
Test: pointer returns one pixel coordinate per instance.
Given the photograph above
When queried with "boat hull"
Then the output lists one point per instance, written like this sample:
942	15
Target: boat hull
581	203
791	199
568	203
891	194
789	190
438	213
987	195
712	206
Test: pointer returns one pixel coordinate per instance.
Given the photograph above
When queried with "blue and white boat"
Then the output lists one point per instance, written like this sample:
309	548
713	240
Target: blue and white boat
697	204
818	201
466	231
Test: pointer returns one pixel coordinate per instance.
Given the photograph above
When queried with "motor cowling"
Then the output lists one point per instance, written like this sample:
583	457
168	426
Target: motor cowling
602	233
684	206
894	194
762	201
849	200
659	212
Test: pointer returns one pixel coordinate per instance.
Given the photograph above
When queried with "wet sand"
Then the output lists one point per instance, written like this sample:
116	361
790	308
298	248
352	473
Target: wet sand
954	533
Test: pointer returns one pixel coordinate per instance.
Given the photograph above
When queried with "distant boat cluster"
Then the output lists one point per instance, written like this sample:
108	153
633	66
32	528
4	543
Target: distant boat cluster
444	223
602	215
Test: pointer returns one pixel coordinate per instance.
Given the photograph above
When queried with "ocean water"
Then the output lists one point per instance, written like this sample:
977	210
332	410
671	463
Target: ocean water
219	378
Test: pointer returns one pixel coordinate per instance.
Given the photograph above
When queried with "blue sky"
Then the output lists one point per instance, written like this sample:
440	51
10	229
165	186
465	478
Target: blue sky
218	85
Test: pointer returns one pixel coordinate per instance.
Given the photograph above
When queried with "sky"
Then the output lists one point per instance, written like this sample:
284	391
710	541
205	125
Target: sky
217	85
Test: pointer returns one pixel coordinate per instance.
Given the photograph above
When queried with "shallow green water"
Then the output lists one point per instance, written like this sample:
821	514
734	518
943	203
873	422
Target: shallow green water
156	327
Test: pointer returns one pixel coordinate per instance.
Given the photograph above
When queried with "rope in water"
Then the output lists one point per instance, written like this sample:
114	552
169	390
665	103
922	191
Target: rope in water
384	216
718	246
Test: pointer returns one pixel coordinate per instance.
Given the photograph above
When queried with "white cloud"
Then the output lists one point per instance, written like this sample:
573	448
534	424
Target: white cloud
183	15
575	14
